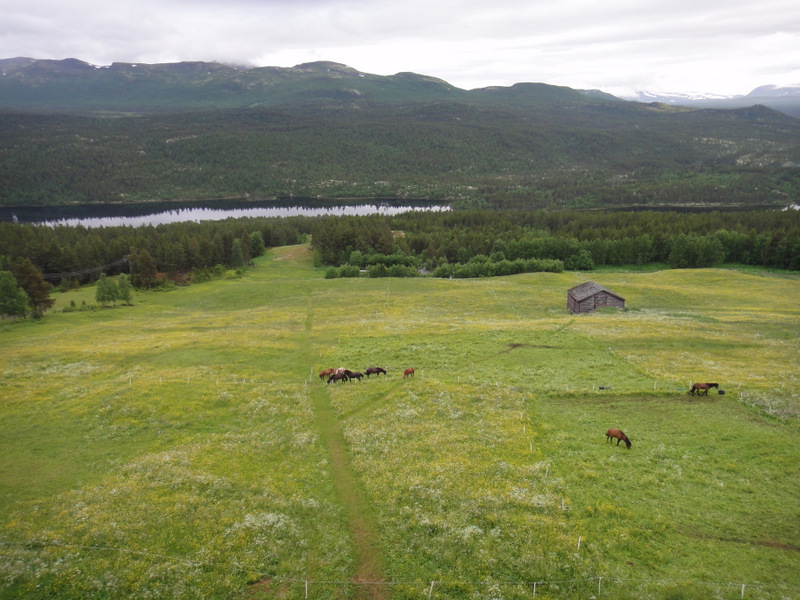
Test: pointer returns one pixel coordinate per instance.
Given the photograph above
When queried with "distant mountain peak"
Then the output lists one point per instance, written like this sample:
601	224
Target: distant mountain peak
785	99
324	65
774	91
672	97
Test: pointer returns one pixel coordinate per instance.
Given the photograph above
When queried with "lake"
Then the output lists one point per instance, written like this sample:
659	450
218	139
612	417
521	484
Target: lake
144	214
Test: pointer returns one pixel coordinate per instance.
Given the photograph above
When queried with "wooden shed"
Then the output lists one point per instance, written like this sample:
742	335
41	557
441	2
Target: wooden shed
589	296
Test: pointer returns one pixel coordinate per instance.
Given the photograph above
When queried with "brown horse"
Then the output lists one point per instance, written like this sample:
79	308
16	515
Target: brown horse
702	388
409	372
375	371
621	437
326	373
338	377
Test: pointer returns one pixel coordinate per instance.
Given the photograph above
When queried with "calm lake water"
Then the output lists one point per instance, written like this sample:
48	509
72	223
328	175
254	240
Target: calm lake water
138	215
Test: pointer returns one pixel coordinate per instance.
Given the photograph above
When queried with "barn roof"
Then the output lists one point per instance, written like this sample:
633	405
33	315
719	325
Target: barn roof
588	289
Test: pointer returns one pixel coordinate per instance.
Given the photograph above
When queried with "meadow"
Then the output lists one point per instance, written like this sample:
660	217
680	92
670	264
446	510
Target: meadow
184	447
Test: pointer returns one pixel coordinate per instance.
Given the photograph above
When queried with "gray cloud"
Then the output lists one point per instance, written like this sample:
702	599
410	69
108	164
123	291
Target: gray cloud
615	45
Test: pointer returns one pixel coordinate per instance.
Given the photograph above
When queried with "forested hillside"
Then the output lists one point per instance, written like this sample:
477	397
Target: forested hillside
325	130
594	155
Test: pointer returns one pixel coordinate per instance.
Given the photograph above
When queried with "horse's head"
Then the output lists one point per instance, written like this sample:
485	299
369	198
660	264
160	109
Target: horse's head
628	443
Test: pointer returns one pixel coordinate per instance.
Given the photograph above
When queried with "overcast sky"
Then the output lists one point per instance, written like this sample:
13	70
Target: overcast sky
619	46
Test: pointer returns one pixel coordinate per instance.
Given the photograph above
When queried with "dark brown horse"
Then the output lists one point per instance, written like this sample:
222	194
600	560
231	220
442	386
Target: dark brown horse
338	377
354	375
375	371
702	388
621	437
409	372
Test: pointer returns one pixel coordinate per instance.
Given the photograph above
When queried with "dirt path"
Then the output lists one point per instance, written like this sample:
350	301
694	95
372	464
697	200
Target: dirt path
361	523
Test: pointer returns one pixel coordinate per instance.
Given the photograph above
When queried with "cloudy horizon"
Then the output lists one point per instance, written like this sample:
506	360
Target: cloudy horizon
618	46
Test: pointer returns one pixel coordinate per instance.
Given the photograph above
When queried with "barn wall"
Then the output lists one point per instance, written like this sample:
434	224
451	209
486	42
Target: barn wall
572	304
588	304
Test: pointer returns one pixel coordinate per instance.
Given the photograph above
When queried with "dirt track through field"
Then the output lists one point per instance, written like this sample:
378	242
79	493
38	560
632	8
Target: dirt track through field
368	573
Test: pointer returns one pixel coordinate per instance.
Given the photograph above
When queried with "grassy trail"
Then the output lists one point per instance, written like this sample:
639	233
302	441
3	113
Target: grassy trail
361	524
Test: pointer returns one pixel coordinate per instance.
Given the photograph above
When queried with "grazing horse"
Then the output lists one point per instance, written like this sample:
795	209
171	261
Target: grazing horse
621	437
409	372
326	373
338	377
355	375
374	371
702	388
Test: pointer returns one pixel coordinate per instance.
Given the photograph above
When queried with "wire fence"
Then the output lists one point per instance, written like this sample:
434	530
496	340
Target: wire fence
431	589
82	272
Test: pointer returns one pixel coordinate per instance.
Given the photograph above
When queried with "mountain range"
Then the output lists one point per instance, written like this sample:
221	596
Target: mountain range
783	98
71	132
75	85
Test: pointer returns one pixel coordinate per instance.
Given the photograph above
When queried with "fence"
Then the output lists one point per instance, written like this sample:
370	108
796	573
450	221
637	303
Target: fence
592	587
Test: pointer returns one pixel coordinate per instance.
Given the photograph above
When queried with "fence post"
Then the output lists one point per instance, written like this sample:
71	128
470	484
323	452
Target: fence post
599	581
430	591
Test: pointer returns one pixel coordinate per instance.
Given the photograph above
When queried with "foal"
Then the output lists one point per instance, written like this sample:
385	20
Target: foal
621	437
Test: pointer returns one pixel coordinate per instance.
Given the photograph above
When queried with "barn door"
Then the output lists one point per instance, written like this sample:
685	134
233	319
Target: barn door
601	300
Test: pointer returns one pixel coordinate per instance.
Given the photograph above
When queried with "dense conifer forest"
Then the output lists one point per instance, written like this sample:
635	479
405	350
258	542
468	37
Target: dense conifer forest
462	154
469	243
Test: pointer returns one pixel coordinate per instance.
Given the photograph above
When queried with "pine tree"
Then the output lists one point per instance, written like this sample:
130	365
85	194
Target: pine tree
257	247
38	290
143	270
237	256
13	299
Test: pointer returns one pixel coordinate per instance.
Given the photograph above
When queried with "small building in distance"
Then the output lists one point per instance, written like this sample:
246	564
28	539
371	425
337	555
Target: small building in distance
589	296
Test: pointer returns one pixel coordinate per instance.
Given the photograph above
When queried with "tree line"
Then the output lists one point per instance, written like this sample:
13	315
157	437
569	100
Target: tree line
79	254
580	240
36	259
466	243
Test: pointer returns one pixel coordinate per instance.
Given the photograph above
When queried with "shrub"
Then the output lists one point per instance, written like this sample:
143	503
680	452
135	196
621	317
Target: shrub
377	271
349	271
401	271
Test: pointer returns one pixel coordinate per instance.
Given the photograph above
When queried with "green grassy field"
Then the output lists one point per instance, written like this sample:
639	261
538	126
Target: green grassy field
184	447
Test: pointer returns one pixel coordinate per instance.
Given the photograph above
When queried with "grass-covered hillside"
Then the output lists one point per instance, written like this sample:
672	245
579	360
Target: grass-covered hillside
184	446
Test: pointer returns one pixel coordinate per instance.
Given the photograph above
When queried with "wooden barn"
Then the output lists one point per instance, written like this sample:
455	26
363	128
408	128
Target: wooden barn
589	296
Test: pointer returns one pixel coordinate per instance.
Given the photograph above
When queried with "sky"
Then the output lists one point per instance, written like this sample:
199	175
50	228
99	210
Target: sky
724	47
